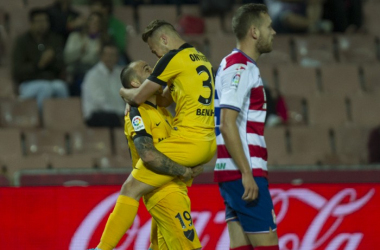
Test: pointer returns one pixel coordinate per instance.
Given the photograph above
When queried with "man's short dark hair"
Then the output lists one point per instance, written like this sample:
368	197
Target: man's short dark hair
245	16
105	3
153	26
36	11
108	44
127	75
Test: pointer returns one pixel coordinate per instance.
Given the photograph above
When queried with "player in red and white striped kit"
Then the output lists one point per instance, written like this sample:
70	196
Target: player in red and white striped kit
241	167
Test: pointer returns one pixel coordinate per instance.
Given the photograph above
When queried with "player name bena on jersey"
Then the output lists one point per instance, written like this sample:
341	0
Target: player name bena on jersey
205	112
239	87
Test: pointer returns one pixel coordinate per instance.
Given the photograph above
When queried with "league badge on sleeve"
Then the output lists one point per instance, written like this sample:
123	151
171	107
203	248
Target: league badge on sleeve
138	123
236	78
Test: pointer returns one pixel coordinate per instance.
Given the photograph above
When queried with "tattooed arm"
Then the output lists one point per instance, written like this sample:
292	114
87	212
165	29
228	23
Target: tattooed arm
157	161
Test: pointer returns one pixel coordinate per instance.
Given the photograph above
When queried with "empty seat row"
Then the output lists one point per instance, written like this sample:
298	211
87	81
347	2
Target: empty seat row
84	148
333	111
316	145
338	80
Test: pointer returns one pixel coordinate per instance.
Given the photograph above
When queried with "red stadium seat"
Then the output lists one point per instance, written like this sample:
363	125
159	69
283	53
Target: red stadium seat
357	49
276	143
267	75
298	81
314	50
221	45
365	110
6	83
72	162
17	164
16	113
328	111
63	114
281	53
45	142
94	142
147	13
309	146
341	80
372	79
351	145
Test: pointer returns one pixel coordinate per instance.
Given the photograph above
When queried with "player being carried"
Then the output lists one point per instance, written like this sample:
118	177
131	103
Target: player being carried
189	79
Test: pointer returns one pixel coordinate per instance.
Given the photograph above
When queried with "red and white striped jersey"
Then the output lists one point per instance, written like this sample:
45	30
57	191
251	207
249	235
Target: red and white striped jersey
239	87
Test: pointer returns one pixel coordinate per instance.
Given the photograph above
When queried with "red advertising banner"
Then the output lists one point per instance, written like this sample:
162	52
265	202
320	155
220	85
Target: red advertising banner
309	217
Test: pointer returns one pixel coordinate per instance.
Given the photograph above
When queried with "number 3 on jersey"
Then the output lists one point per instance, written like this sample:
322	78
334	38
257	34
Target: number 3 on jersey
206	84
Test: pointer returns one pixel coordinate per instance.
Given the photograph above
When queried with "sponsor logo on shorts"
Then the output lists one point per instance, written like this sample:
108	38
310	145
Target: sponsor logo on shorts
138	123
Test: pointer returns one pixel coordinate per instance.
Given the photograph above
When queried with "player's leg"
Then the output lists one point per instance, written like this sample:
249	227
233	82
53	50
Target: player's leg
264	241
256	218
238	238
172	214
124	213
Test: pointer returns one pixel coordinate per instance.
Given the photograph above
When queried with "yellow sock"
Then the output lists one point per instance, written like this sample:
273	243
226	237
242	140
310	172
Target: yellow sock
120	220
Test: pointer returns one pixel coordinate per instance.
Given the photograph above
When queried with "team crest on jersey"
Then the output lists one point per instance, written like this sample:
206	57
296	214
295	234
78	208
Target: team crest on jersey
189	234
138	123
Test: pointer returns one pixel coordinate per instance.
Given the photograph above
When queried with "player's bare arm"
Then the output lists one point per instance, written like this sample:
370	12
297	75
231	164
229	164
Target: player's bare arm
158	162
165	99
231	136
136	96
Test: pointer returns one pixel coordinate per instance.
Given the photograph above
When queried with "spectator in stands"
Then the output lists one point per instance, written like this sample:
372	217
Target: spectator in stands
374	146
297	16
102	105
346	15
64	18
37	61
82	49
116	28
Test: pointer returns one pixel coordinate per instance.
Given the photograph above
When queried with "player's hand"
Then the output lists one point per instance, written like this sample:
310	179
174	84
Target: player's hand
251	190
127	109
197	170
187	175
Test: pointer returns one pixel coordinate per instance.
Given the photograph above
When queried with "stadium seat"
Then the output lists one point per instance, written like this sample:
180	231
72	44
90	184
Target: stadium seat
276	142
220	46
365	110
190	9
138	50
114	161
6	83
4	182
10	143
71	162
147	13
281	53
314	50
298	81
357	49
121	144
351	144
328	111
63	114
213	25
372	79
297	110
125	14
16	113
17	164
309	146
340	80
372	18
267	75
45	142
94	142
